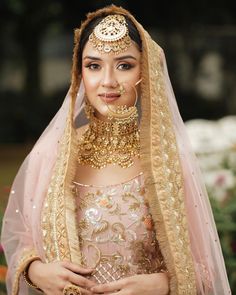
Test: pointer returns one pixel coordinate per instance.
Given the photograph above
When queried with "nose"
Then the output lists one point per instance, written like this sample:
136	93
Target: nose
109	80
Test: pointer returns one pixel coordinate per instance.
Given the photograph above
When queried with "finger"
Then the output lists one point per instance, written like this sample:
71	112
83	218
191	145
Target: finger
85	292
76	268
109	287
81	281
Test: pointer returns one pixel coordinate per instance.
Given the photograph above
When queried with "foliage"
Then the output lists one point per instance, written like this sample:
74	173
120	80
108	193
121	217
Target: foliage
225	216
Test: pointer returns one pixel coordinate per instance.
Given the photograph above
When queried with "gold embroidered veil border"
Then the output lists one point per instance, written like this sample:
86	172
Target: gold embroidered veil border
161	167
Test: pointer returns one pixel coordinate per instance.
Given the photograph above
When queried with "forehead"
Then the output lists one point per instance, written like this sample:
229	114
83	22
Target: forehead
89	50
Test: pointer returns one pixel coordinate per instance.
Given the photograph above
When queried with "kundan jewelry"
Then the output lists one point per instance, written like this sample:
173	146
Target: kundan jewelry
111	35
115	142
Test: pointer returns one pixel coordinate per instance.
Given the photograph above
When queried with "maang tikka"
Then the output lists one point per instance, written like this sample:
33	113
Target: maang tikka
111	35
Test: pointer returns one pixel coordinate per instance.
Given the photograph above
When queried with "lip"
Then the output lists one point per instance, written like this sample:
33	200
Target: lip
109	96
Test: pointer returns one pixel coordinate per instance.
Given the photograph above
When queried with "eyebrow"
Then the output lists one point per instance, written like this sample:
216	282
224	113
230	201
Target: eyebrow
117	58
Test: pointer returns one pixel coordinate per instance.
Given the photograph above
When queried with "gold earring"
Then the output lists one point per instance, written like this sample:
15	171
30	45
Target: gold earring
88	108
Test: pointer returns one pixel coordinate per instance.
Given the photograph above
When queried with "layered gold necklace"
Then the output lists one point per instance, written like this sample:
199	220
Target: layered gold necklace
115	142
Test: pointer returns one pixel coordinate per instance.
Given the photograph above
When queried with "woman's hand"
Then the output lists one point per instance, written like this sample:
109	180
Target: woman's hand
148	284
52	277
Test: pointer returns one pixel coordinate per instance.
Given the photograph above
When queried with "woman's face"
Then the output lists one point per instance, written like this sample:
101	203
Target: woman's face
104	73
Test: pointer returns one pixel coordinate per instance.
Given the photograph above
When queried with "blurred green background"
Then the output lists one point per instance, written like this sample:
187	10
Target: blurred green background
199	40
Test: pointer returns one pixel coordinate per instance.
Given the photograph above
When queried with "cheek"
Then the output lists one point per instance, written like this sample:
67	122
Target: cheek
131	80
132	77
91	82
132	91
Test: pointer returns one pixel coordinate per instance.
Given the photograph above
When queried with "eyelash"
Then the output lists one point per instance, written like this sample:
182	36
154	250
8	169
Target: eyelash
127	66
94	66
90	66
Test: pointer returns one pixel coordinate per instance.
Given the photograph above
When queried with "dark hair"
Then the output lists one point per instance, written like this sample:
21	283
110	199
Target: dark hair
133	33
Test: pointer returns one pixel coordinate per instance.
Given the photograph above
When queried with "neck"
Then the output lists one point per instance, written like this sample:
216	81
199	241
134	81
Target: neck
114	142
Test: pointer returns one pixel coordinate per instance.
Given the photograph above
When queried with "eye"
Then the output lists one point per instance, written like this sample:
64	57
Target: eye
124	66
93	66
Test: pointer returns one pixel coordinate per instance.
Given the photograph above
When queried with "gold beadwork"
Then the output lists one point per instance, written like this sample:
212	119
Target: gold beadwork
122	112
72	289
88	109
115	142
27	279
111	35
60	241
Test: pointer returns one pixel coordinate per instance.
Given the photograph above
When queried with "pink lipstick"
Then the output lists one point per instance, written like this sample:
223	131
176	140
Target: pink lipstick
109	96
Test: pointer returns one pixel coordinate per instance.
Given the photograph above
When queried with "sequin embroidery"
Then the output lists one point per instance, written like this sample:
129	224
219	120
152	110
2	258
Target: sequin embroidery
116	231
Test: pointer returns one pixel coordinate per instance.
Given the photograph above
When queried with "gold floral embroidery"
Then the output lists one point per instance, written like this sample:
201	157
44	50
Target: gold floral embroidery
58	216
83	225
105	201
128	229
117	211
86	200
101	227
144	256
163	174
134	206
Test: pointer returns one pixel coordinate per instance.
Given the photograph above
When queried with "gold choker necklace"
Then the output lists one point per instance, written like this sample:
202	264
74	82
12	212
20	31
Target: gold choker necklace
104	143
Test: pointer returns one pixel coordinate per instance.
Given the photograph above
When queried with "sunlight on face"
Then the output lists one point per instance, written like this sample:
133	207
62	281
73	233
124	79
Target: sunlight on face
103	74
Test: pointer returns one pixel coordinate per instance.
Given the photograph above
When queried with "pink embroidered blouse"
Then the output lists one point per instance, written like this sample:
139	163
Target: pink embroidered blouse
116	230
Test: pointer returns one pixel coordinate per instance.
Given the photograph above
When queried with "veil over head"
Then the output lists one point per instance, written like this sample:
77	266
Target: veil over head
40	219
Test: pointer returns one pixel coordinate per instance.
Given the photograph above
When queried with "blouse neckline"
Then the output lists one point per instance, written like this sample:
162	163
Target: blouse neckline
109	185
